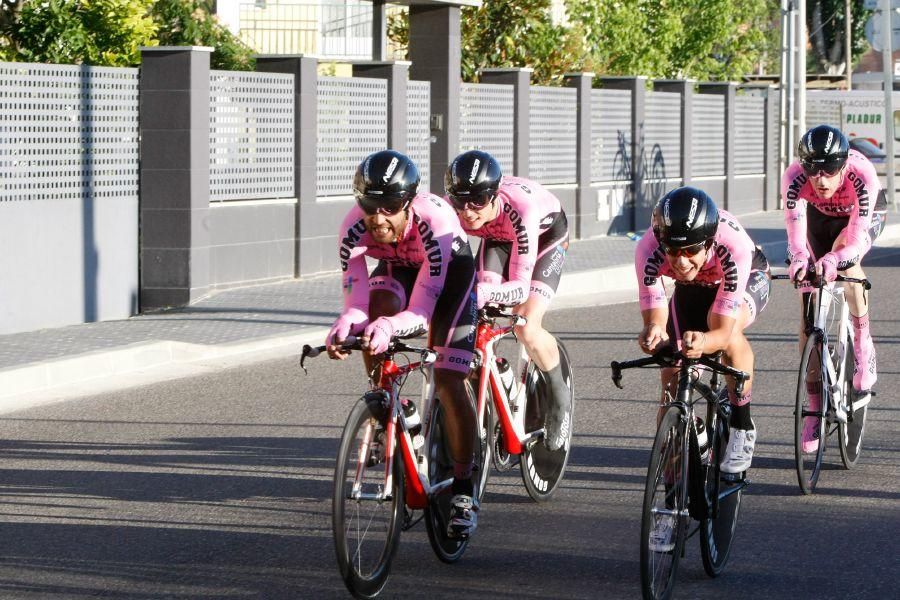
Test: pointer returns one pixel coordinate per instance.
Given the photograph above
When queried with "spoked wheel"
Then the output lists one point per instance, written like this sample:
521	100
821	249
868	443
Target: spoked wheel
440	468
850	434
543	469
366	525
484	443
809	464
665	511
717	532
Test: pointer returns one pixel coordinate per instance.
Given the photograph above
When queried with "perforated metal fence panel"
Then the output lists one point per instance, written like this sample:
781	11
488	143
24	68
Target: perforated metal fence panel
486	120
68	132
251	135
708	135
821	111
553	134
749	135
662	135
352	123
418	130
610	134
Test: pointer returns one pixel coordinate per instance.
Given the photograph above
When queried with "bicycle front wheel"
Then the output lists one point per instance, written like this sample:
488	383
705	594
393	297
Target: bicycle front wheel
809	459
850	434
543	469
366	525
665	513
717	534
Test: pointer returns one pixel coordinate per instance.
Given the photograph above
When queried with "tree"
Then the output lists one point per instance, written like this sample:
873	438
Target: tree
95	32
825	24
190	23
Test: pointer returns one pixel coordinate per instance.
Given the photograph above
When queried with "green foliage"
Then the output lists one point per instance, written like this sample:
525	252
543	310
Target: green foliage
189	23
825	23
95	32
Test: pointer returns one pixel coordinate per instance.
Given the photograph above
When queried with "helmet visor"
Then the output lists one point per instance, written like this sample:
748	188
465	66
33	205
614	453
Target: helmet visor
471	202
829	167
386	205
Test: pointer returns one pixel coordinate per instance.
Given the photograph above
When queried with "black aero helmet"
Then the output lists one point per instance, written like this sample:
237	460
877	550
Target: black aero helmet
386	180
473	176
823	148
686	216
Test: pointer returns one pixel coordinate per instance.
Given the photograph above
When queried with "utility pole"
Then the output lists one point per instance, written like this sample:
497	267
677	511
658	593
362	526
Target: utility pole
888	67
801	68
848	43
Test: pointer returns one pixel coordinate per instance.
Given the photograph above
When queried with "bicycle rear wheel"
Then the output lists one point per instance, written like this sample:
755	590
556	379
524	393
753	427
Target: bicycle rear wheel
543	469
717	533
850	434
366	528
665	511
809	464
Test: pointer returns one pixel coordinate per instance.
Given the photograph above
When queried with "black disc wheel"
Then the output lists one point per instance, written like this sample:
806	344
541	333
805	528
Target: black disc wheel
664	520
366	524
717	531
543	469
809	415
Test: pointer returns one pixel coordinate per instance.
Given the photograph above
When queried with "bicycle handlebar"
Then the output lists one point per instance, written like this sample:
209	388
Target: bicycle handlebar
356	343
667	357
816	281
500	311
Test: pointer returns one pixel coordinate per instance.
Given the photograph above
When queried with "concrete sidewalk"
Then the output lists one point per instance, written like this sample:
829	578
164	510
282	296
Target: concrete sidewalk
249	324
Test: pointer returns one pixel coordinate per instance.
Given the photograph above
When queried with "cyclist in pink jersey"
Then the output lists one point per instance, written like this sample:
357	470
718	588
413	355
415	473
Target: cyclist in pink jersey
423	281
525	236
834	210
721	285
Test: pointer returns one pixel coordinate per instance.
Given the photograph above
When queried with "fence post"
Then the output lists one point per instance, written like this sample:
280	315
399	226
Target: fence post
174	175
640	207
520	79
773	177
585	217
729	91
397	75
436	56
304	70
684	87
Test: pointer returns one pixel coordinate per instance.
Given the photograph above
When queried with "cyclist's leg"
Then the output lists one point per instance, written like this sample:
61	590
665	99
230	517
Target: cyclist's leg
540	344
452	335
389	290
689	307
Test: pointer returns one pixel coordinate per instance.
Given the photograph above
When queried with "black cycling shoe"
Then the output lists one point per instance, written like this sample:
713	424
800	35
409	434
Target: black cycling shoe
557	413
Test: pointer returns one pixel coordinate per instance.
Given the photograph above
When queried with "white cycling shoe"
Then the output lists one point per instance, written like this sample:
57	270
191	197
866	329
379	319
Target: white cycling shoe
739	451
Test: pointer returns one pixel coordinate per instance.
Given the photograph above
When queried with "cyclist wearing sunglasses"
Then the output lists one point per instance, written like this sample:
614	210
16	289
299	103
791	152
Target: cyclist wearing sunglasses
834	210
423	280
524	240
721	285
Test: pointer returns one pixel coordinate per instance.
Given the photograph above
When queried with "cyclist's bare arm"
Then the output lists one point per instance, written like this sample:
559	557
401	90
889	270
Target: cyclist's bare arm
697	343
654	332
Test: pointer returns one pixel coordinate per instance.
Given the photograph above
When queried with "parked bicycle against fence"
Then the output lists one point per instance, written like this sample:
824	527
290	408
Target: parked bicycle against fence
826	402
510	403
390	466
684	480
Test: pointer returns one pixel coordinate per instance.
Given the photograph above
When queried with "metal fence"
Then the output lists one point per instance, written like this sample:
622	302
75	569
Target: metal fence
251	135
486	120
708	135
749	135
418	129
352	123
662	136
553	134
68	132
610	134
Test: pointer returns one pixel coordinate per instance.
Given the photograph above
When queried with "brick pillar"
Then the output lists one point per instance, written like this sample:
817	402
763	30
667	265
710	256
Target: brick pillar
583	224
174	175
397	75
303	68
520	79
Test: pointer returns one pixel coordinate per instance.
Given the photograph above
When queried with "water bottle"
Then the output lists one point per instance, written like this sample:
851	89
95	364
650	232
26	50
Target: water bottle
411	416
702	439
506	377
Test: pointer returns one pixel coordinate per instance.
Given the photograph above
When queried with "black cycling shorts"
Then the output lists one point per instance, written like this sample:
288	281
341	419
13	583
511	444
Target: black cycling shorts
823	230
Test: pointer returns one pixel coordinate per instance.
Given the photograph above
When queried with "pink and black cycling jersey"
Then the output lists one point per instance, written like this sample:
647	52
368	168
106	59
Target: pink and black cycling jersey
431	265
858	202
531	221
729	263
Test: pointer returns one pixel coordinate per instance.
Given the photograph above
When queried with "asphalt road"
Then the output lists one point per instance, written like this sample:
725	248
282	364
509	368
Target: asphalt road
220	486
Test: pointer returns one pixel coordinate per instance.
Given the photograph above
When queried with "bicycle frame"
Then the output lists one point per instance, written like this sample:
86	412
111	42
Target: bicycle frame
509	411
824	297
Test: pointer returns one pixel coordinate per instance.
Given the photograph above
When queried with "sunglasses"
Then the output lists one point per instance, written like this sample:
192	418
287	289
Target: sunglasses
688	251
470	202
385	206
829	168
